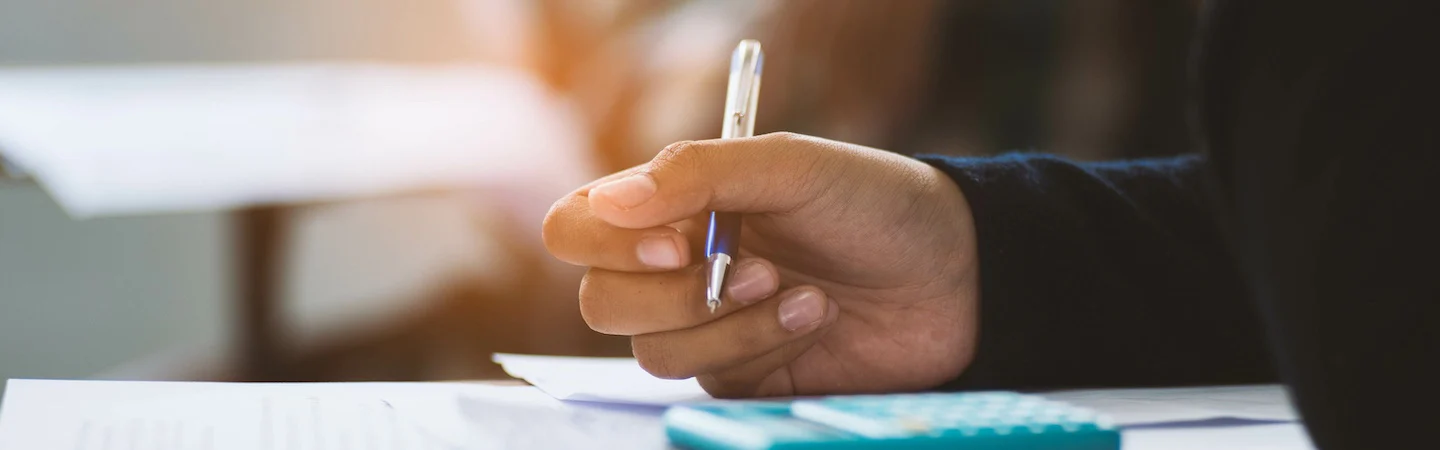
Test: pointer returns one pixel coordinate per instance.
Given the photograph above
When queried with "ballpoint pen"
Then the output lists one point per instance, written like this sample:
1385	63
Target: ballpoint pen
722	242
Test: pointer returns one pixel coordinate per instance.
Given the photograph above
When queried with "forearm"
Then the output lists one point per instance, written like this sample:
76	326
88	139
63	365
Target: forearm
1103	274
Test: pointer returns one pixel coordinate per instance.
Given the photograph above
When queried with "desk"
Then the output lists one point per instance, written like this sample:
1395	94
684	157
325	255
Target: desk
46	414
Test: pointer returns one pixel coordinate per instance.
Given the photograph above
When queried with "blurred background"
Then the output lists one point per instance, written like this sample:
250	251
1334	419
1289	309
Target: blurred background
397	271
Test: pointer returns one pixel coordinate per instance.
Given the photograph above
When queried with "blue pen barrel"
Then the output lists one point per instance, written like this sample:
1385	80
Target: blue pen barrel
724	234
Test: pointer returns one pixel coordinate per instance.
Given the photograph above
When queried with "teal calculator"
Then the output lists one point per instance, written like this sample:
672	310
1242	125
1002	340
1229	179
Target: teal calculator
975	420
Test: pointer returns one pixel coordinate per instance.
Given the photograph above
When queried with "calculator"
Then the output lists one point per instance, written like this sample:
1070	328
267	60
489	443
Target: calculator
971	420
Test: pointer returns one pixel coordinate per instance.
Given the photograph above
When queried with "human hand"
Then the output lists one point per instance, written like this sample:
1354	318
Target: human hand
857	270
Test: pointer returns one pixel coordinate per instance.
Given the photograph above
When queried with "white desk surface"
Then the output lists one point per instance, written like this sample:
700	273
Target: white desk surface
99	415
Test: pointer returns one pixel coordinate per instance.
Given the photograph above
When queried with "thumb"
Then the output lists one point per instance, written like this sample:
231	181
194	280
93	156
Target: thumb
771	173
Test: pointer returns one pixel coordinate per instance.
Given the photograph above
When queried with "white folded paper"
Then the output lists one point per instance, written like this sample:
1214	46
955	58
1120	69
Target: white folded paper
605	380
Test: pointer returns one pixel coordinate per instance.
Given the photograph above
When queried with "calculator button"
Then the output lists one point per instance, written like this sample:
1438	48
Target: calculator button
957	416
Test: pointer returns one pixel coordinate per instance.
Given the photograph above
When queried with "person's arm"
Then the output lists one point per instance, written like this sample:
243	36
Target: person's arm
1103	274
1321	127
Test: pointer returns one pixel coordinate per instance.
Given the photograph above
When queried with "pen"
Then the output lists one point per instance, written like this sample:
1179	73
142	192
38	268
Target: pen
722	242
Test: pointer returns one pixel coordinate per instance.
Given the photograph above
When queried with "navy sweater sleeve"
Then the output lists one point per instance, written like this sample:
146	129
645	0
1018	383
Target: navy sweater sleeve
1103	274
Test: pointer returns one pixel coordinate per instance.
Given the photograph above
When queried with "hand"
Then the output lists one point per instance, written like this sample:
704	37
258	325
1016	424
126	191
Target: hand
857	270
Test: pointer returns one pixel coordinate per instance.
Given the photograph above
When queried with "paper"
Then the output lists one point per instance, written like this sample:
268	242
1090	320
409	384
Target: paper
532	419
101	415
1199	406
621	380
1289	436
607	380
115	415
105	415
140	139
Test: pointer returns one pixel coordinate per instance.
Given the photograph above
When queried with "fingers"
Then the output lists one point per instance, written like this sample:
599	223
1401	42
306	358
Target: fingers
771	173
628	303
576	236
766	376
742	336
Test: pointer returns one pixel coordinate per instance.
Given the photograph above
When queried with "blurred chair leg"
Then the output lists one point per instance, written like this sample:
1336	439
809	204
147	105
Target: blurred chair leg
259	240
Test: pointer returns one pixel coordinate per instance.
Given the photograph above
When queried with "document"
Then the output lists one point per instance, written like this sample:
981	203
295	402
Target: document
1197	406
605	380
1288	436
101	415
123	415
530	419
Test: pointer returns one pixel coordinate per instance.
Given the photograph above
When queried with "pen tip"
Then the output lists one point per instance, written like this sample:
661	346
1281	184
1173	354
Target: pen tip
718	268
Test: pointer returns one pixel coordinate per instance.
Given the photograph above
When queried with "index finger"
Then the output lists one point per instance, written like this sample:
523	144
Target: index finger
771	173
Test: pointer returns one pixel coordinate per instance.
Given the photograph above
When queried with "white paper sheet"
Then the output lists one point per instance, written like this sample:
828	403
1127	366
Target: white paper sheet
608	380
533	420
105	415
129	140
1182	406
1288	436
116	415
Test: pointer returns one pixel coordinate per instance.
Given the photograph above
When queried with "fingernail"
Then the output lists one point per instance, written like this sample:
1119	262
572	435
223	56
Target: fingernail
801	309
626	193
751	282
660	252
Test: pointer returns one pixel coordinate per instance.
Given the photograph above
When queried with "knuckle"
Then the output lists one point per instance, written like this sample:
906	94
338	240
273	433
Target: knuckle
656	358
783	137
810	162
680	155
753	342
794	146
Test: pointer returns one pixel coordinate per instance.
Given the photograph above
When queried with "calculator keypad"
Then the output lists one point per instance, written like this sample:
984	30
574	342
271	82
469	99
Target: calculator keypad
950	414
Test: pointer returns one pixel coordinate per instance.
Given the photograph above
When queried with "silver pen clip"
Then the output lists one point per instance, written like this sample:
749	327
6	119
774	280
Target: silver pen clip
744	89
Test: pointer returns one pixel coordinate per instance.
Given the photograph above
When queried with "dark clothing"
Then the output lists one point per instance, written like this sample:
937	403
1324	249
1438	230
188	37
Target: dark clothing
1300	247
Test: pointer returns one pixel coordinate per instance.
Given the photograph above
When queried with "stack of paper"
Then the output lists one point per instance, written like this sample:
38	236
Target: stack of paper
608	407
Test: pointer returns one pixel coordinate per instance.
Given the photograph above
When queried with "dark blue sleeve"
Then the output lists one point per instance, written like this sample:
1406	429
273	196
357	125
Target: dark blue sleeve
1103	274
